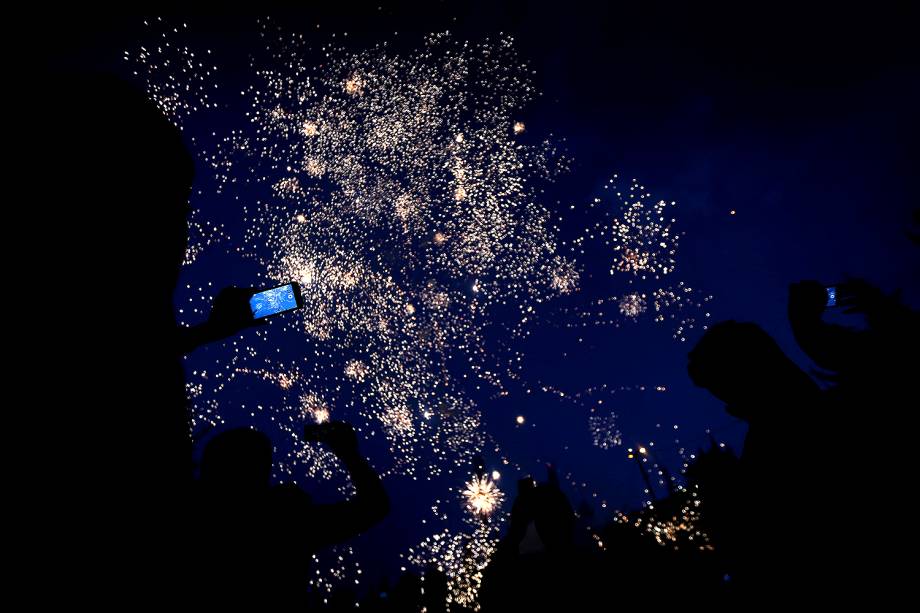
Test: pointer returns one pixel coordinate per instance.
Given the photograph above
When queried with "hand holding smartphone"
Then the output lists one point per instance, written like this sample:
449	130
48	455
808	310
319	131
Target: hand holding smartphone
237	308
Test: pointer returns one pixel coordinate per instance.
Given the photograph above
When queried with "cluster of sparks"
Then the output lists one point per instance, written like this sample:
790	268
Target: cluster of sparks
680	527
637	233
462	557
401	191
482	495
605	432
341	566
177	79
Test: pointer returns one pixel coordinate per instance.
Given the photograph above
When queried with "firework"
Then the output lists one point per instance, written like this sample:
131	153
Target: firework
680	527
564	277
482	495
632	305
462	557
604	431
314	409
356	370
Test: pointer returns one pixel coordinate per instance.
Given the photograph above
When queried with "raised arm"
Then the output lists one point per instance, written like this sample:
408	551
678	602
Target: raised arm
230	314
341	521
833	348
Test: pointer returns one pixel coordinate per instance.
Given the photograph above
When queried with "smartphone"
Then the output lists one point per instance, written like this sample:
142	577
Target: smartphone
276	300
831	296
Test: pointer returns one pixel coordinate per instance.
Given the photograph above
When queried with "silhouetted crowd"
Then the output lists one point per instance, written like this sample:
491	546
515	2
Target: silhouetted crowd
806	514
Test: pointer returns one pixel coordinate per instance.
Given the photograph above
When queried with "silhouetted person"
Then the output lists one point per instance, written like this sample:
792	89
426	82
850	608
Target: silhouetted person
870	367
778	499
109	231
255	541
715	475
536	565
434	596
109	235
857	359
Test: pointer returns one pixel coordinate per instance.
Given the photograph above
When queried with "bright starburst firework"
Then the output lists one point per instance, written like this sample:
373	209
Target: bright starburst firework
482	495
314	409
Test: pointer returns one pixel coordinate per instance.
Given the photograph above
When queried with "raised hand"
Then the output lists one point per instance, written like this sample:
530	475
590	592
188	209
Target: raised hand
231	313
858	296
339	436
807	300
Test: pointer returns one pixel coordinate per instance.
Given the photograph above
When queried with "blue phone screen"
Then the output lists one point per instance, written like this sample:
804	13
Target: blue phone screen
831	296
274	300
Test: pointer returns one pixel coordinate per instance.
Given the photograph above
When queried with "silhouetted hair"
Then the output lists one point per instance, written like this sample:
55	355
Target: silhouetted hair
122	179
740	363
729	347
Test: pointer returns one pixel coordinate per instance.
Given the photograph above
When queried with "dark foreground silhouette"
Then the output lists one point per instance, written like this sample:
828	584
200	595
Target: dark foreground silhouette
111	206
124	522
257	545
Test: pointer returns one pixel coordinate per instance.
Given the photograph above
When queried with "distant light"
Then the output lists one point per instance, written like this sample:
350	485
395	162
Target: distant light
496	475
519	419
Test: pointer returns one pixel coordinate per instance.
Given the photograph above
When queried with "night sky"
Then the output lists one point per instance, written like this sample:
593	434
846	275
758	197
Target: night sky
802	123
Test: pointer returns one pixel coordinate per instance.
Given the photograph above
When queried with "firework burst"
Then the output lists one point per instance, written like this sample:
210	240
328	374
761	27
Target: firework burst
482	495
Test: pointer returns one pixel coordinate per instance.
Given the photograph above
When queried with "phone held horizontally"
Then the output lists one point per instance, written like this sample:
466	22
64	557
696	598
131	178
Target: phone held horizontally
276	300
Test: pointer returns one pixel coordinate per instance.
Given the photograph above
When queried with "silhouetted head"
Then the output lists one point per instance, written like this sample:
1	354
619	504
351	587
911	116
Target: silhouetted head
121	183
238	460
541	517
742	366
553	517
